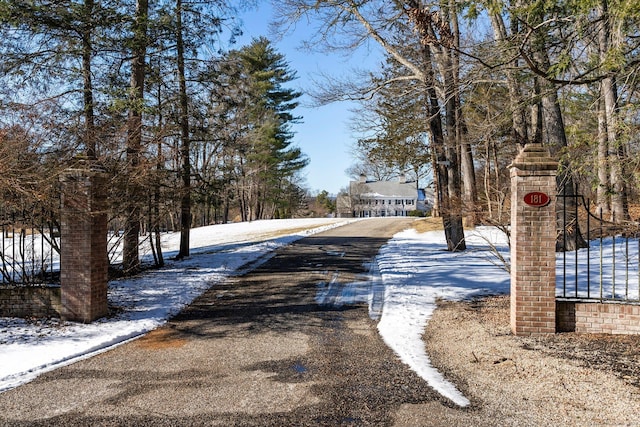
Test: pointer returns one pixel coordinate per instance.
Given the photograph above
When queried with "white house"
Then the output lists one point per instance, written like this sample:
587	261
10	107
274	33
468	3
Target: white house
383	198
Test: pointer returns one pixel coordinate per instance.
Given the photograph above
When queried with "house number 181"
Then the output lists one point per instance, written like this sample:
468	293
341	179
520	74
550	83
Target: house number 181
537	199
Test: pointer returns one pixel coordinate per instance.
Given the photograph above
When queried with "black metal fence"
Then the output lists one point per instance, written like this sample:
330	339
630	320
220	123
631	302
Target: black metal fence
29	248
604	257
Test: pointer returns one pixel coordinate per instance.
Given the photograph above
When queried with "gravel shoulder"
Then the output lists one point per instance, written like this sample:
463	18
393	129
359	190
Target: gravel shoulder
562	379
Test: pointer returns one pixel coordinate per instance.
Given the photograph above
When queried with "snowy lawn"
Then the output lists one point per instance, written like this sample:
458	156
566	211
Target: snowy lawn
409	274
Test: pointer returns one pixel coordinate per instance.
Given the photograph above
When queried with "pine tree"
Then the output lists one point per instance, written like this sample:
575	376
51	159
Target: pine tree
257	99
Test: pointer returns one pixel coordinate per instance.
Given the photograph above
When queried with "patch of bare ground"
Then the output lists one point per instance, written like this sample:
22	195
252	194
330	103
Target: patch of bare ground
563	379
423	225
161	338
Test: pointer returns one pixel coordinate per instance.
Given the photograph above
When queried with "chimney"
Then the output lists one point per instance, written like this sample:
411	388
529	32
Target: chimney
402	179
363	178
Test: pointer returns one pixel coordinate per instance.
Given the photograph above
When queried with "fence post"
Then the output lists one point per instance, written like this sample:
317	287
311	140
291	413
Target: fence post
533	241
83	248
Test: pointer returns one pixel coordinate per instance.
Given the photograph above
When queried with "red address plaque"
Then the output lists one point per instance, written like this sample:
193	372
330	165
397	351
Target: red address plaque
537	199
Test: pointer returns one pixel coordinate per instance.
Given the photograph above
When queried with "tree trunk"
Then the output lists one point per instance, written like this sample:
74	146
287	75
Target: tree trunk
451	216
130	255
470	195
602	192
185	199
615	153
549	129
156	190
518	110
470	191
487	178
87	91
570	237
501	195
435	212
447	153
225	209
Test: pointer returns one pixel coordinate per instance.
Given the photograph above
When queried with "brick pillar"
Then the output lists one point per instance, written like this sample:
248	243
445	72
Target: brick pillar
533	241
83	233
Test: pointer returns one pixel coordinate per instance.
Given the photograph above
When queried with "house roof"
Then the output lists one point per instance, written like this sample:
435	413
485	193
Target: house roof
405	190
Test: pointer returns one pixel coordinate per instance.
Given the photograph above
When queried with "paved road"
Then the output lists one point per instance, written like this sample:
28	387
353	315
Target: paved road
255	351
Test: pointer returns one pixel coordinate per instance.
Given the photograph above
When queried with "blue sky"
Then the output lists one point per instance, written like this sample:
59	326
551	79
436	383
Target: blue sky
324	134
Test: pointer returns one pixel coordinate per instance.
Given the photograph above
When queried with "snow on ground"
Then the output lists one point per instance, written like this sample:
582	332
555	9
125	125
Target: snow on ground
417	270
604	278
409	274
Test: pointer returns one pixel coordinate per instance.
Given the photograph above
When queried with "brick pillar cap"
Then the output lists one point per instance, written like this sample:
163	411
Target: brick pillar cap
83	167
534	156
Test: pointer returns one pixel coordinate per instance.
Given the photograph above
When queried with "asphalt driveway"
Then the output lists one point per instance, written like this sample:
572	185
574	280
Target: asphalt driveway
255	351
